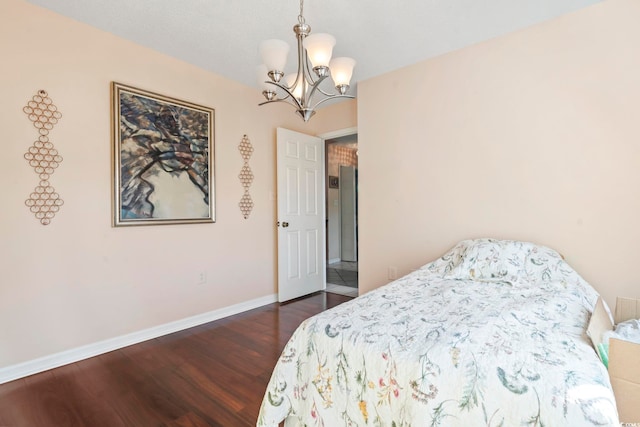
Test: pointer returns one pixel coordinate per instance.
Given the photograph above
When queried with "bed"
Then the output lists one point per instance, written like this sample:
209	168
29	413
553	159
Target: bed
490	334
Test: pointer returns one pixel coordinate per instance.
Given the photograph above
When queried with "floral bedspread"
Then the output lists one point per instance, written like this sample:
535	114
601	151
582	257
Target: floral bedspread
490	334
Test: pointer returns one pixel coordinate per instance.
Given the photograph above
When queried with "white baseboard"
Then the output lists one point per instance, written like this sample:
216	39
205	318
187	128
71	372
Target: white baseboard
45	363
334	260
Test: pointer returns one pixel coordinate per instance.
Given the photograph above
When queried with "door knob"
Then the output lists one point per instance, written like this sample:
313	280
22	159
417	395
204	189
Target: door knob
285	224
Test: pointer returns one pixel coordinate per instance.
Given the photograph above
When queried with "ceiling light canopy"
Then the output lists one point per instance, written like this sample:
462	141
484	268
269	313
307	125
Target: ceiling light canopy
302	90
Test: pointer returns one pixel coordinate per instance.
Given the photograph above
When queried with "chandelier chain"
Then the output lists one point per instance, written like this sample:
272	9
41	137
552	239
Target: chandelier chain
301	16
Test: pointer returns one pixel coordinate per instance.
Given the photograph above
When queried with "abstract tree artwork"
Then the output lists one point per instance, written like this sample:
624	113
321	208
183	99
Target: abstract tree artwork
245	176
163	159
42	156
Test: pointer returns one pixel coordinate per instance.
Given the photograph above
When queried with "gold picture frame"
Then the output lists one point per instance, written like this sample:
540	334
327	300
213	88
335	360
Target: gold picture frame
163	159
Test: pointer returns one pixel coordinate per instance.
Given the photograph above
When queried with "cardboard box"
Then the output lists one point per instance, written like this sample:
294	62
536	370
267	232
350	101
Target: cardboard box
623	356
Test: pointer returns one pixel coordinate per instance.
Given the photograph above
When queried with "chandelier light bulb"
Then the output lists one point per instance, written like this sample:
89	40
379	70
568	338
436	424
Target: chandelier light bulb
319	48
290	80
274	54
342	70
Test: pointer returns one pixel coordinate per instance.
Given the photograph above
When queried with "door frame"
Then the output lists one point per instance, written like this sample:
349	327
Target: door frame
338	133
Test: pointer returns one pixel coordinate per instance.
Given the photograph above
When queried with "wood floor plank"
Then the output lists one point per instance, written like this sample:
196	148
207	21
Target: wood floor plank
51	406
15	406
90	408
212	375
189	420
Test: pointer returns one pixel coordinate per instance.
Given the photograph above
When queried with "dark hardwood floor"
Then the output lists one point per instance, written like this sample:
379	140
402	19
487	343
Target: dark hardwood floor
210	375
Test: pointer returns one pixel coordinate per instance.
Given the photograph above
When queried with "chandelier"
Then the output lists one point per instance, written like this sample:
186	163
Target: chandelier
302	90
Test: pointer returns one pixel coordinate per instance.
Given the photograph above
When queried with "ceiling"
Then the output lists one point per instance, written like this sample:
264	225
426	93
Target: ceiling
222	36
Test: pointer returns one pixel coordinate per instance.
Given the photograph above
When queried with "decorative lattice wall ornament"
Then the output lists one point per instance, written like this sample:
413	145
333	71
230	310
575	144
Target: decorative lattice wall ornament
246	176
44	202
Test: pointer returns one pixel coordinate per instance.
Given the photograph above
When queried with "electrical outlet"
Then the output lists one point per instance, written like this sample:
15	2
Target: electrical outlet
202	278
392	273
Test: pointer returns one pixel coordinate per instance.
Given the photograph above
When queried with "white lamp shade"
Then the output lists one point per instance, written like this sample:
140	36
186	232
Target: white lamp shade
341	70
261	74
297	91
319	48
274	54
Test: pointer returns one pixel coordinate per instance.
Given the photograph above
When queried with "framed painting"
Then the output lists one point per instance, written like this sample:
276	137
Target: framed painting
163	159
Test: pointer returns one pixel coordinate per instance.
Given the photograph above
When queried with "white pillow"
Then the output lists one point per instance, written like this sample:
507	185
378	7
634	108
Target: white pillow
491	260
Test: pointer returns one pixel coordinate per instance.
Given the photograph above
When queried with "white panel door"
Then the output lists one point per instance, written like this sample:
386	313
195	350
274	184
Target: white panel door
301	240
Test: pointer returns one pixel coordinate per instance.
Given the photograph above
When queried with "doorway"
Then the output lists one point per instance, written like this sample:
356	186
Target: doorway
341	154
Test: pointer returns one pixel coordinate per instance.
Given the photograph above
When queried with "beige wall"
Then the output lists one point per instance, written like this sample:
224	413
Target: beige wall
530	136
78	280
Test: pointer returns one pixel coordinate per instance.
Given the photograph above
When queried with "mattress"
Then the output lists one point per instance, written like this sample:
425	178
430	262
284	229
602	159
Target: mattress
490	334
